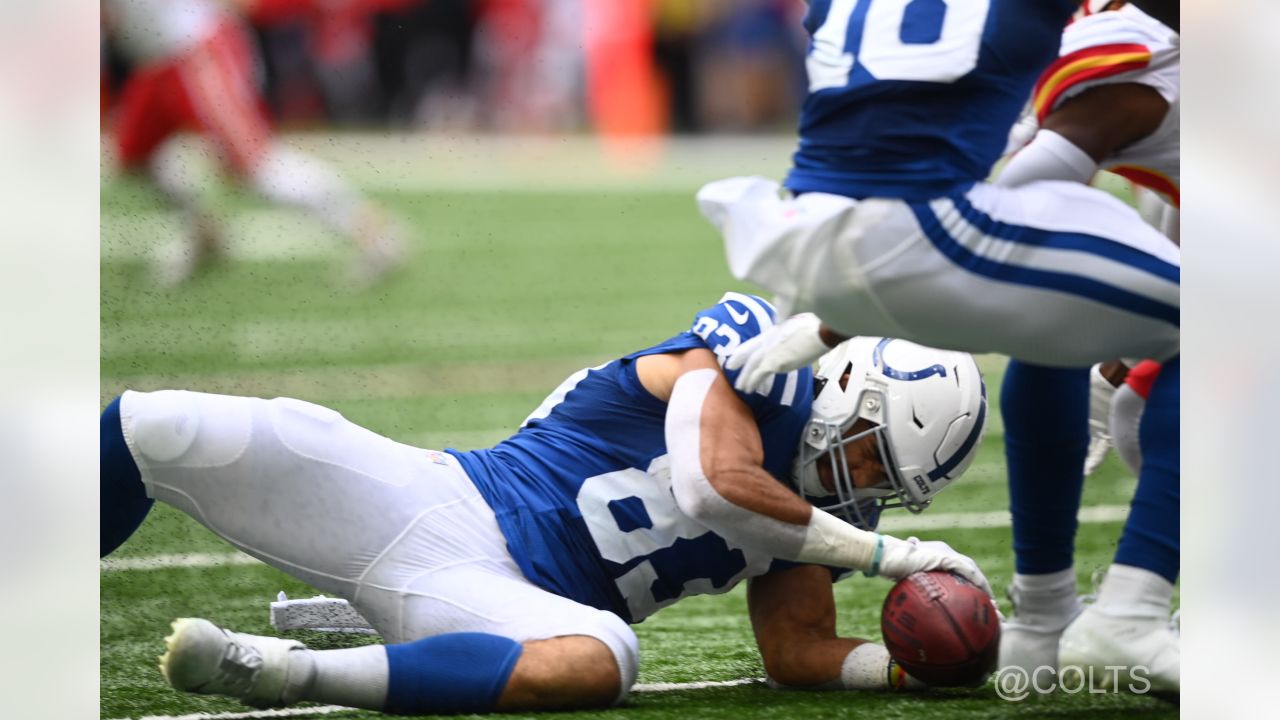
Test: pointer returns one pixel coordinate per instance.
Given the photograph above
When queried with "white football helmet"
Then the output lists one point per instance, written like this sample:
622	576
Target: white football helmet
928	408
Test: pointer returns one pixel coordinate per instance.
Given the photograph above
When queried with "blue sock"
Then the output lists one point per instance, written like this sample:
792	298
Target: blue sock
1046	436
1150	539
122	499
454	673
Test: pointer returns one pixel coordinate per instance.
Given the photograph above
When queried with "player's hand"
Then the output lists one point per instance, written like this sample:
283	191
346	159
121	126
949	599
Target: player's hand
782	348
1100	393
906	557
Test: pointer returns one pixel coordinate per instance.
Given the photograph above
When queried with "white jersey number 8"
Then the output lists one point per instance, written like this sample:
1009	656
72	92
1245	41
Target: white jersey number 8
665	534
915	40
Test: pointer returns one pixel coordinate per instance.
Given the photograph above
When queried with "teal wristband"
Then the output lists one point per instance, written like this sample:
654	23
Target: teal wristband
876	558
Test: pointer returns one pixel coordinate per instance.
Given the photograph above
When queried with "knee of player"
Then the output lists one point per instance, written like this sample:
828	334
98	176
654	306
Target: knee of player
169	425
574	671
624	648
163	424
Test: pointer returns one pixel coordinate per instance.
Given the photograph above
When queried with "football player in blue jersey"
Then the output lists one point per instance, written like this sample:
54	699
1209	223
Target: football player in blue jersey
890	228
506	578
1110	101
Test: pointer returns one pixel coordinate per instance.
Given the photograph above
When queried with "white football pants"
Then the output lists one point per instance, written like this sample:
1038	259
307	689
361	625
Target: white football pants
400	532
1053	273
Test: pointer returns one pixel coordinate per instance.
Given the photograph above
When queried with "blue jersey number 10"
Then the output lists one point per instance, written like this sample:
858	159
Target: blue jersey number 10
862	41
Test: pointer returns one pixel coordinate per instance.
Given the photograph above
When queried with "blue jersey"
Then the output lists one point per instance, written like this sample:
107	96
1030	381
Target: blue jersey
583	491
911	98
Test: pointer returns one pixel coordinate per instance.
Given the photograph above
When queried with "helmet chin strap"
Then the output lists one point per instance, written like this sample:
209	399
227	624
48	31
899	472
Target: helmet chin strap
873	493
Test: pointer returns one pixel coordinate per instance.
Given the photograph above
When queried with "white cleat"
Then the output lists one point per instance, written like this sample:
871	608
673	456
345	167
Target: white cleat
1030	640
1028	646
202	658
1137	653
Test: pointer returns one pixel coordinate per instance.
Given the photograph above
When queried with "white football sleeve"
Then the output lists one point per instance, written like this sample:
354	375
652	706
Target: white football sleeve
1049	156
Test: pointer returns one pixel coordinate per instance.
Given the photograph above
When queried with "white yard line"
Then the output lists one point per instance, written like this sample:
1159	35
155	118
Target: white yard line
253	715
994	519
179	560
330	709
666	687
898	524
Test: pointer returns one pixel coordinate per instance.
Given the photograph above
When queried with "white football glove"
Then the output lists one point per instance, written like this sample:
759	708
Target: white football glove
792	344
1100	393
906	557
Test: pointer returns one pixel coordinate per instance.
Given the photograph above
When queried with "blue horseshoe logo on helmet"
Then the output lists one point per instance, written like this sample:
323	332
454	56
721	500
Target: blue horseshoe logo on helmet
877	358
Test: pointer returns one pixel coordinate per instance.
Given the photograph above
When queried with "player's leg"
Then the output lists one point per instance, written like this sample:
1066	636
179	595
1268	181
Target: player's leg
145	117
153	106
122	499
1046	414
461	672
494	642
1052	273
293	178
1151	535
1129	624
399	531
203	236
454	574
291	483
220	78
574	655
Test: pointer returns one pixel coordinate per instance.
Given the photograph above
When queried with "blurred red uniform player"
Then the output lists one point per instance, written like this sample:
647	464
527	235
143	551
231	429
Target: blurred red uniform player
194	70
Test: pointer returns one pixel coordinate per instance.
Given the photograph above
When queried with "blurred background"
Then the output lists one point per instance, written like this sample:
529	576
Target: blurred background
524	66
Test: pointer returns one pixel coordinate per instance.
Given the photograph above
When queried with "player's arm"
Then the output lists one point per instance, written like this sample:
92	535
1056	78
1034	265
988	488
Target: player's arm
1104	119
793	614
718	479
716	437
1078	135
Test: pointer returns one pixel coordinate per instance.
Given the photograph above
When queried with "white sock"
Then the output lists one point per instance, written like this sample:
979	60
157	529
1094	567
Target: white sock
179	181
1044	583
183	183
867	668
289	177
1129	591
1047	599
352	677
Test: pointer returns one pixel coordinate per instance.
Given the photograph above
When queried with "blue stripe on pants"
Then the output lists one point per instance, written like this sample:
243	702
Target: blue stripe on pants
1078	285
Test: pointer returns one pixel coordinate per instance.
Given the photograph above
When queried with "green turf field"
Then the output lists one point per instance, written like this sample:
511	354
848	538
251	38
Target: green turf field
507	293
